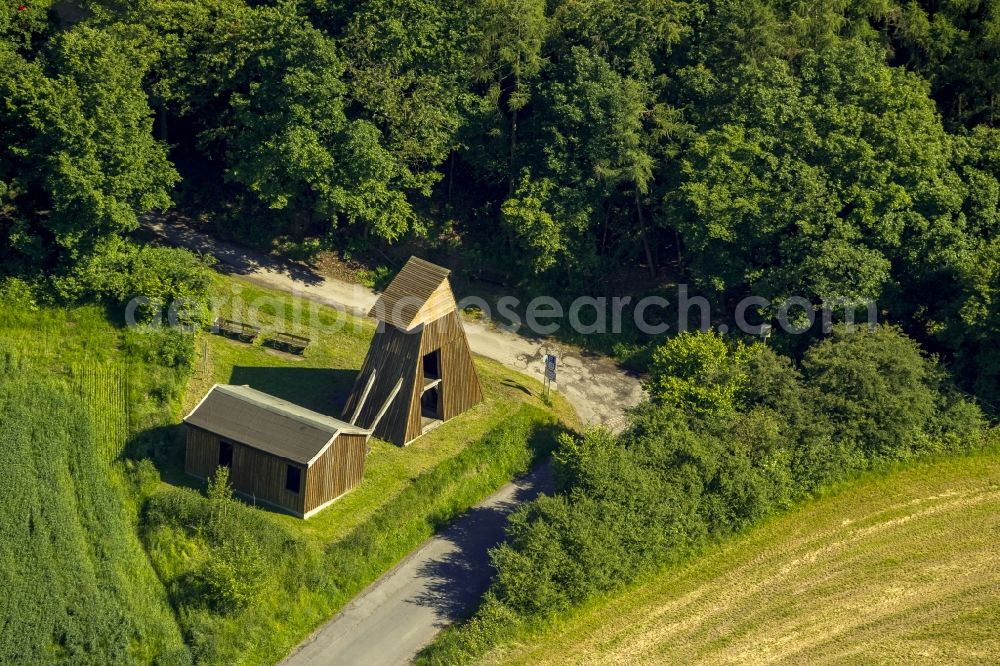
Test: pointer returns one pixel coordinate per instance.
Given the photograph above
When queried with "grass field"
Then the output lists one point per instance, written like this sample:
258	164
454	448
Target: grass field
899	569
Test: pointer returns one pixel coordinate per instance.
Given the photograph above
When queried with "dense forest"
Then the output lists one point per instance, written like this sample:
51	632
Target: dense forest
839	149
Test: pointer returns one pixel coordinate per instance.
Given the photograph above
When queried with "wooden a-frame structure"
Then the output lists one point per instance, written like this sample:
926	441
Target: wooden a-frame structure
419	371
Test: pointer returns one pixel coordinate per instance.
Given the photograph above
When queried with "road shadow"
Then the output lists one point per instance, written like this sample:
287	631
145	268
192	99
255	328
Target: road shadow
322	390
232	258
456	582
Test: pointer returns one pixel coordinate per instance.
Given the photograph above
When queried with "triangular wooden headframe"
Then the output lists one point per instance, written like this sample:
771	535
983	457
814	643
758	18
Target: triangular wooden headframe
418	319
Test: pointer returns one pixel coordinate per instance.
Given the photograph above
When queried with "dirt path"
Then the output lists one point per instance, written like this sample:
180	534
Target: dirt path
597	388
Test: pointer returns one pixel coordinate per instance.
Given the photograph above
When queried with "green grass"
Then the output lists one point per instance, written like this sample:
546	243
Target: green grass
131	408
897	568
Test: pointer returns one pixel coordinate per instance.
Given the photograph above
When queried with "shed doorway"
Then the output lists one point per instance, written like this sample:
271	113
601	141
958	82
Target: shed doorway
430	408
225	454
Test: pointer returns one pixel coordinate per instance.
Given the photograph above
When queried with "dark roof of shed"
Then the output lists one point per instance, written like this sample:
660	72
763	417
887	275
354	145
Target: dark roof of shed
273	425
409	290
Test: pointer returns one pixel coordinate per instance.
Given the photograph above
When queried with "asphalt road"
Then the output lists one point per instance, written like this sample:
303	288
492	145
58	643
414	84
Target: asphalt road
440	582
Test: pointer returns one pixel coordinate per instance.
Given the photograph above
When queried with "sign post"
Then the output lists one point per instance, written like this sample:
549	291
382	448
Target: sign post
550	372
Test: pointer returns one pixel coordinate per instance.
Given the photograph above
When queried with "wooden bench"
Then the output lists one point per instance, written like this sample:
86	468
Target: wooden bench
296	344
235	329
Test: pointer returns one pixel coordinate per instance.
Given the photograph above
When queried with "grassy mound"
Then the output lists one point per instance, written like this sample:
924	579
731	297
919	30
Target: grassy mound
896	569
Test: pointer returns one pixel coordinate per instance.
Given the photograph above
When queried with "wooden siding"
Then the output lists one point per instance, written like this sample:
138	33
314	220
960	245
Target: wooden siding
439	304
336	472
440	332
460	388
261	476
202	453
394	354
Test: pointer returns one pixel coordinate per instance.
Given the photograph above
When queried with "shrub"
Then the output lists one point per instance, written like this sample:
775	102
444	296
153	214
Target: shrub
15	292
162	277
167	347
701	372
881	393
143	477
234	574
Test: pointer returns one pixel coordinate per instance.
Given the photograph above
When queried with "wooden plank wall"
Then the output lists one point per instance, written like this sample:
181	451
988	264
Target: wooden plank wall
202	455
460	387
256	474
262	476
393	354
440	304
337	471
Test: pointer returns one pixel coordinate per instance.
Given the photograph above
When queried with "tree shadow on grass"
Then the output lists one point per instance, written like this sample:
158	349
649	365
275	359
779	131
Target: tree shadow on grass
456	581
165	446
517	385
322	390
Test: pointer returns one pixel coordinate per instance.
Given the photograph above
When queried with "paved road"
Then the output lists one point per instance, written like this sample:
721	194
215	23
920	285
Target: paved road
597	388
399	614
442	580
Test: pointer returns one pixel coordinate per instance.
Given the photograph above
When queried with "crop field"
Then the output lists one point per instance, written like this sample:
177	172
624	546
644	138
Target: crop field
899	569
79	581
104	390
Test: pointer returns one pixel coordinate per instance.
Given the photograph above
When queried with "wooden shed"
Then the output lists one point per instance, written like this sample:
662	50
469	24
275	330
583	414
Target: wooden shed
278	453
419	352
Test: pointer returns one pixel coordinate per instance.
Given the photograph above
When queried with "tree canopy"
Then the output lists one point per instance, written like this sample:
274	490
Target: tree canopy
822	150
